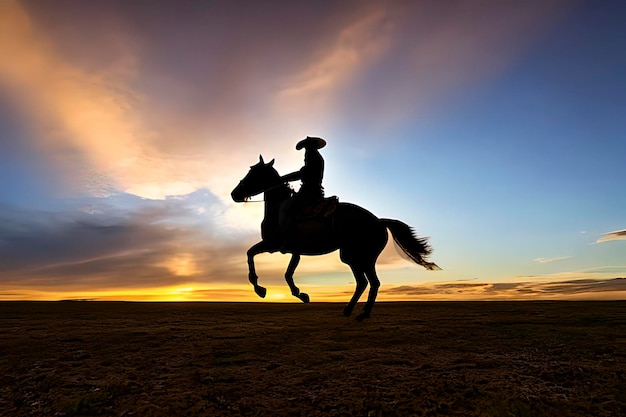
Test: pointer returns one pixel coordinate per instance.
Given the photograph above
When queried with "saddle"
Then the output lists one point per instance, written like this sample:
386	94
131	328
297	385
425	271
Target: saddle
313	227
320	210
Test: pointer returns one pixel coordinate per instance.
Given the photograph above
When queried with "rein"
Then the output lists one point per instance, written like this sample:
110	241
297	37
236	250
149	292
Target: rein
264	191
254	201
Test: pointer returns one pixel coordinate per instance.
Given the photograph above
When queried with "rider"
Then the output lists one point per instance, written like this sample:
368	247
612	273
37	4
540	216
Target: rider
311	191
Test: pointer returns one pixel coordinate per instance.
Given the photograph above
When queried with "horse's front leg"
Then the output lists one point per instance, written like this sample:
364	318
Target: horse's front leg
252	276
295	291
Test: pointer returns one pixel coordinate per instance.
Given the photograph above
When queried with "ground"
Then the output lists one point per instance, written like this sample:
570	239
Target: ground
228	359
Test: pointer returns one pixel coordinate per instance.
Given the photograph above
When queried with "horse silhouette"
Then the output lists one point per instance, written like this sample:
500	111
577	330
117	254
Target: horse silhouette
359	236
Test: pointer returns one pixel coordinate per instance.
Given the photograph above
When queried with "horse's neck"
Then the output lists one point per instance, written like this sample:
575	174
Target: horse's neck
274	197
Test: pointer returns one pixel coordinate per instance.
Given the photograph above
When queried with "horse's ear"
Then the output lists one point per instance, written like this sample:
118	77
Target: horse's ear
261	159
270	163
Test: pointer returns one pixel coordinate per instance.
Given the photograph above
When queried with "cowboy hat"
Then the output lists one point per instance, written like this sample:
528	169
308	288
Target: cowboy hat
311	142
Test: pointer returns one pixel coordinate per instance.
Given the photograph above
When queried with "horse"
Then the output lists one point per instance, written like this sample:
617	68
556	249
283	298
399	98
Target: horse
359	236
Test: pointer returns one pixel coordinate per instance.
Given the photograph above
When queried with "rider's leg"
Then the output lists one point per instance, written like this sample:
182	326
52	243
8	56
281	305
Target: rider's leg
285	215
287	223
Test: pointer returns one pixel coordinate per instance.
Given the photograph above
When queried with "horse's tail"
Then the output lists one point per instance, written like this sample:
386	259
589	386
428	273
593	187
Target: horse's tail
416	248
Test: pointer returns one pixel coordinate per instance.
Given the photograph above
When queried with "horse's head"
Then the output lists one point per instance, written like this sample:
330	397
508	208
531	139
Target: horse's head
261	177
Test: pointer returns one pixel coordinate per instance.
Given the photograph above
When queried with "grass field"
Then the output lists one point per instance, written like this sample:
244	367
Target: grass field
229	359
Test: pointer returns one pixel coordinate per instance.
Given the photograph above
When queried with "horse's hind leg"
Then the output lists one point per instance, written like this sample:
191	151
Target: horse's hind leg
361	284
295	291
371	298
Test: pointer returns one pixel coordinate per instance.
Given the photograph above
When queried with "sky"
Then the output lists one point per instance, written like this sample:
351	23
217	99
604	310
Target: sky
496	128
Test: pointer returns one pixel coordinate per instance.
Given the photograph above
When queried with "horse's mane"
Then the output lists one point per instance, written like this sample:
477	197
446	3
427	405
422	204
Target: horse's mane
284	184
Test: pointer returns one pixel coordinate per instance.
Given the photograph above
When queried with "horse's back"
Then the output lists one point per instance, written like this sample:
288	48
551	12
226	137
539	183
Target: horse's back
355	216
359	233
350	228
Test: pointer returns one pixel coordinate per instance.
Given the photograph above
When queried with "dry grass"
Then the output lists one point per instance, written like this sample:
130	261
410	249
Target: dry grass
410	359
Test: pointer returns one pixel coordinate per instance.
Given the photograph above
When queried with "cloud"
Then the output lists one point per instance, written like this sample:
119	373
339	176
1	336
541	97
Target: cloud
85	121
355	48
154	109
434	50
616	235
607	269
121	101
584	286
119	242
91	124
548	260
122	243
571	289
141	121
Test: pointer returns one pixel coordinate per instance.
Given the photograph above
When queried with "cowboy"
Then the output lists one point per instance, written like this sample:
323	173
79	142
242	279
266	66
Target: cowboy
311	191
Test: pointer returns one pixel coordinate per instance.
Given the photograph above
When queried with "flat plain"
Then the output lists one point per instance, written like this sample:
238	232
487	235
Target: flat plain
259	359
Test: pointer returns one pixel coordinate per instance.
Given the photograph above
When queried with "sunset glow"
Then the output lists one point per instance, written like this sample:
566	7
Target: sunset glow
494	128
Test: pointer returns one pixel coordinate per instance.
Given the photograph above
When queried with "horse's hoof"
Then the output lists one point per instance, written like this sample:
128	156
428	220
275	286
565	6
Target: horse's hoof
347	311
304	297
260	291
362	316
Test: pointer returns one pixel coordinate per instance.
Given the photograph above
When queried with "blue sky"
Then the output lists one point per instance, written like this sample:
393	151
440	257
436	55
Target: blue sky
496	128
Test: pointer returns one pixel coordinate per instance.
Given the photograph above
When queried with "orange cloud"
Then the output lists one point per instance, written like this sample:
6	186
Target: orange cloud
580	289
583	289
152	127
616	235
89	123
355	48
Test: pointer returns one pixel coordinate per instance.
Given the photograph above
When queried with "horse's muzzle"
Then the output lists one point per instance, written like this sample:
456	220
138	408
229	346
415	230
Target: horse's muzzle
237	197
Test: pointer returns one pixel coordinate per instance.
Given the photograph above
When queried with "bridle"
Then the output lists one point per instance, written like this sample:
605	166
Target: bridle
262	191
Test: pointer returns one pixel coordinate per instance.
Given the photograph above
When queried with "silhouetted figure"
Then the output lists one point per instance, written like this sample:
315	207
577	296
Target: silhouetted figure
311	191
358	234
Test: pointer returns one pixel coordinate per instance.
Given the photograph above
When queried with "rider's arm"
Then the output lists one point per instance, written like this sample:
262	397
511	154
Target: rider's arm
292	177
